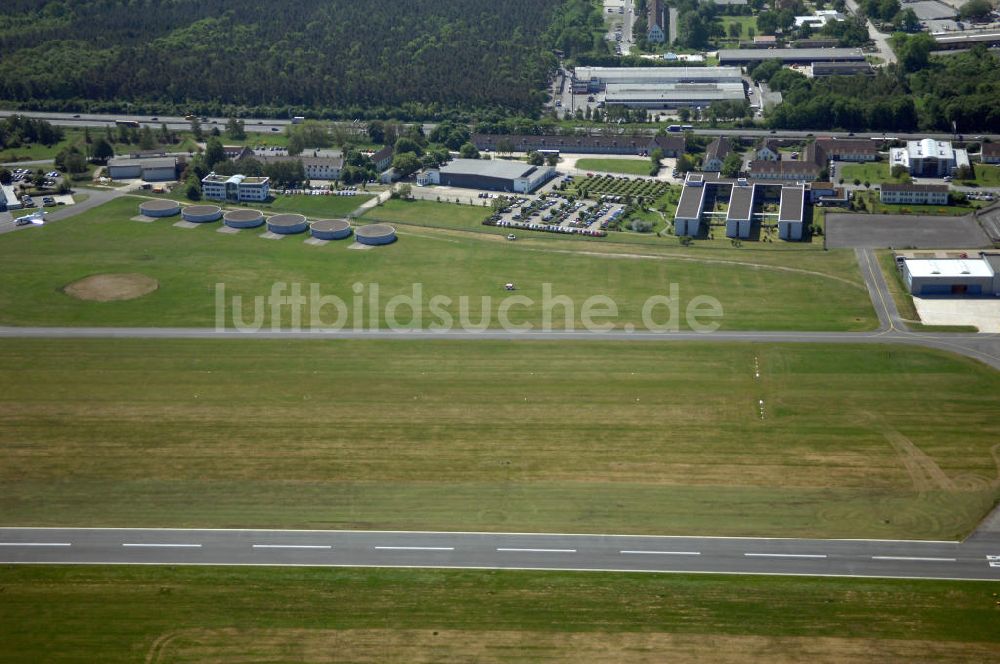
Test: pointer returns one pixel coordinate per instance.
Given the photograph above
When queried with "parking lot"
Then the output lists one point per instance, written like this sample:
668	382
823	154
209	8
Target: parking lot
900	231
555	214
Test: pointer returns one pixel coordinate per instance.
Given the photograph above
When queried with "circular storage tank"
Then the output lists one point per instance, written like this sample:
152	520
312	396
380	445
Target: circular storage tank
331	229
159	208
375	234
201	214
244	218
287	224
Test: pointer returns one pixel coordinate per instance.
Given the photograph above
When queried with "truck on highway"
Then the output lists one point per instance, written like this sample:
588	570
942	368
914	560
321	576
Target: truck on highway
298	119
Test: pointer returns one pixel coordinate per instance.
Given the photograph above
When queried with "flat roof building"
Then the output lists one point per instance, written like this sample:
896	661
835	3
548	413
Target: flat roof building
745	56
492	174
961	40
596	79
672	146
791	212
929	158
235	187
150	169
671	95
952	276
820	69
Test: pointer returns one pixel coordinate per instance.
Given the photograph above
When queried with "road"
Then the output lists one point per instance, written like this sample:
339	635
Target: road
264	125
95	197
976	558
881	40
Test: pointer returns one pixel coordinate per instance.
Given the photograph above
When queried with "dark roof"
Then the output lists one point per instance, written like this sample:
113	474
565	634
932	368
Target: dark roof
740	203
842	68
718	149
991	149
571	143
791	207
892	186
847	146
384	153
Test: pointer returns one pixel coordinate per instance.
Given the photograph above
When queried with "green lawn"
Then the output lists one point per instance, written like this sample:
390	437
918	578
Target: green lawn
316	207
433	213
528	436
986	175
768	290
628	166
873	172
745	23
187	614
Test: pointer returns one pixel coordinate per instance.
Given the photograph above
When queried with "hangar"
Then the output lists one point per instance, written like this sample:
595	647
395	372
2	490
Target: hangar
953	276
492	174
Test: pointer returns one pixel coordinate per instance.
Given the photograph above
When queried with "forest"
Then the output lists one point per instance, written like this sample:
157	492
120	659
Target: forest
320	58
922	93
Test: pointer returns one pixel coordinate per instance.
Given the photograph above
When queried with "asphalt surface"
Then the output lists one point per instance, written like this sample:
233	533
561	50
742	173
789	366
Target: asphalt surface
976	558
267	125
903	230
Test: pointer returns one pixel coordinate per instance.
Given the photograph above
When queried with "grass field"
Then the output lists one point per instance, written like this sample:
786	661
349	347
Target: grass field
315	207
179	615
790	289
875	173
627	166
746	23
588	437
986	175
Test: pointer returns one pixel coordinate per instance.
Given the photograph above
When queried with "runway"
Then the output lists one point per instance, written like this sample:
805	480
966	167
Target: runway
975	559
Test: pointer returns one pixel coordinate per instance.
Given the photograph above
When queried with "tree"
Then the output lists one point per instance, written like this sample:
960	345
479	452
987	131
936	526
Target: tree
376	131
684	114
406	163
684	163
732	165
406	145
6	177
214	153
102	151
907	21
735	30
196	129
897	171
963	172
468	151
913	51
975	9
192	189
236	129
552	159
146	139
405	191
535	158
505	146
71	160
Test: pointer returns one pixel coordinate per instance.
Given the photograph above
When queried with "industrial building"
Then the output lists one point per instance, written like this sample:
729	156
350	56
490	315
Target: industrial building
375	234
597	79
287	224
914	194
671	95
492	174
201	214
9	199
962	40
330	229
820	69
244	218
747	56
952	276
671	146
929	158
159	208
235	187
150	169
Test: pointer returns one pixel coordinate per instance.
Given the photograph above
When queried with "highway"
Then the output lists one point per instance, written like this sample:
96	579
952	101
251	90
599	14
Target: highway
978	558
267	125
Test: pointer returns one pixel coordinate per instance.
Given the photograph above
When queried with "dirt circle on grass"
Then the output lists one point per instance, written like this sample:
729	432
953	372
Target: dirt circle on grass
112	287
